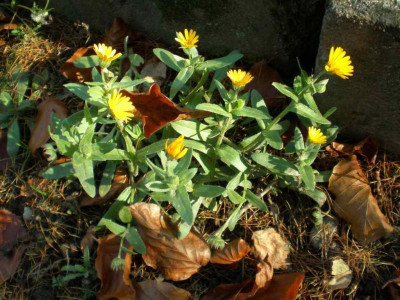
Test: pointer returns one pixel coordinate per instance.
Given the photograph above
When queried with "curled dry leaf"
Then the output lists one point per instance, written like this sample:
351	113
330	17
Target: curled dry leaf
114	284
264	76
264	274
8	26
393	285
269	242
40	133
159	290
5	159
368	147
120	182
232	252
156	110
11	231
88	239
175	259
74	74
355	203
115	37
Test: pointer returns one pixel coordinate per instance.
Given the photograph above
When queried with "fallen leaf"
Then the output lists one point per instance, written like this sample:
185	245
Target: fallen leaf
159	290
156	110
155	69
11	231
233	291
393	285
74	74
88	239
175	259
232	252
115	37
40	133
264	76
8	26
342	275
120	182
115	284
269	242
264	274
355	203
368	147
38	183
5	159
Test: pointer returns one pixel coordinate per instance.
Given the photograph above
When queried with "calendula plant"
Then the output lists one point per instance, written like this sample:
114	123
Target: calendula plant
196	160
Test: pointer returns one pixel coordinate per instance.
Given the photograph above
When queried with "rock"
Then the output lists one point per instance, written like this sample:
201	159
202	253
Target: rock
321	235
272	29
368	102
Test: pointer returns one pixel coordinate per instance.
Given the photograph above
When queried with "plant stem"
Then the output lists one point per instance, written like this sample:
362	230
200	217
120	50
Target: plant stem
203	79
270	125
224	128
221	230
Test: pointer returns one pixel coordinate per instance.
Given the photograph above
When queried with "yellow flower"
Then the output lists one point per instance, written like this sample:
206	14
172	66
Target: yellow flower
239	78
339	64
188	39
316	136
176	149
121	107
106	53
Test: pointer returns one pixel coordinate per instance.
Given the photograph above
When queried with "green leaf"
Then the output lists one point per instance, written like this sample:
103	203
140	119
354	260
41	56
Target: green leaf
317	195
222	91
258	102
187	175
234	182
87	138
307	112
285	90
218	63
84	171
214	108
310	154
79	90
87	62
128	84
235	197
59	171
298	141
184	163
96	76
181	202
323	176
234	218
6	99
275	164
167	58
134	239
106	179
273	136
184	227
255	200
251	113
208	191
180	80
231	157
311	102
307	175
320	87
136	60
115	228
158	186
192	129
142	153
13	140
125	215
80	268
22	85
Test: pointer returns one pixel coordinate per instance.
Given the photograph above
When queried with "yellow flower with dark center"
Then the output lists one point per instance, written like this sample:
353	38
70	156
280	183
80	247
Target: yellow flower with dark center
239	78
176	149
106	53
339	64
121	107
188	39
316	136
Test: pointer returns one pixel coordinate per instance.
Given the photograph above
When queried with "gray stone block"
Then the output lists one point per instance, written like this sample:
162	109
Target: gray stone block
271	29
368	102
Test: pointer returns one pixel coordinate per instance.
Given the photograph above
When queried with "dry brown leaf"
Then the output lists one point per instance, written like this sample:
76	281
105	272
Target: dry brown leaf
5	159
115	37
269	242
156	110
120	182
264	274
11	231
264	76
159	290
355	203
393	285
232	252
368	147
40	133
175	259
74	74
8	26
88	239
113	283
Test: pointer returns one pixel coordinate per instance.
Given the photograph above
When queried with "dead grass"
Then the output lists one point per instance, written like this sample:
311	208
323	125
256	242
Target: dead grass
58	224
